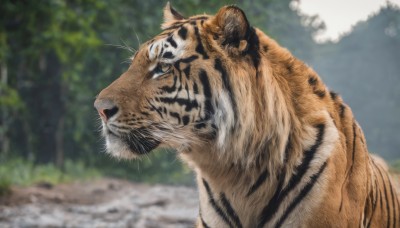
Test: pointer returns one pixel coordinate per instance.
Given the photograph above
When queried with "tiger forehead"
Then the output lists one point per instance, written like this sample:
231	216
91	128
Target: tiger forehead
167	49
170	45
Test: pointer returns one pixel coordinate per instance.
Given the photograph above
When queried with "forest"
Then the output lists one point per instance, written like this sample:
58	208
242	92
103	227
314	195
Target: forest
56	56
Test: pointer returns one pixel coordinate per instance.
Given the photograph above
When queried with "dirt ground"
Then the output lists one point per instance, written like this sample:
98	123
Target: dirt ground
103	203
99	203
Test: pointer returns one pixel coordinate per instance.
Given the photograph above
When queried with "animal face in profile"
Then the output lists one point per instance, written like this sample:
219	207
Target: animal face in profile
177	91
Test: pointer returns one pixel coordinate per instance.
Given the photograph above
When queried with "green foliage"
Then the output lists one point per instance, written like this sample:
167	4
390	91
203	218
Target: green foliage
5	186
9	98
395	166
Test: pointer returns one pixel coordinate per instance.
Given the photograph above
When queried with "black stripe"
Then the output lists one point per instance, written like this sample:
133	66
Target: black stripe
386	198
204	223
375	201
172	41
172	88
352	161
209	110
189	59
195	88
288	148
176	115
177	16
153	108
214	204
379	190
394	199
182	32
320	93
380	200
231	212
185	120
199	47
168	55
273	205
342	107
185	60
260	180
308	156
200	125
398	208
189	104
187	91
289	68
301	195
161	52
227	84
312	81
187	71
200	18
253	50
124	127
174	26
333	95
354	147
180	83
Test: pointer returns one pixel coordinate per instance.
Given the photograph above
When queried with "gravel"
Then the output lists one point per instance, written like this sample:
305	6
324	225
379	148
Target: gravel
104	203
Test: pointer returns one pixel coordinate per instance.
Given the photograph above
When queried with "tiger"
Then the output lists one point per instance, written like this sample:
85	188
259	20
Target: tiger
270	144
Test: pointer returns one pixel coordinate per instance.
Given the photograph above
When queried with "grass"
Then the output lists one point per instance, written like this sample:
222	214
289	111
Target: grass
5	186
22	172
160	167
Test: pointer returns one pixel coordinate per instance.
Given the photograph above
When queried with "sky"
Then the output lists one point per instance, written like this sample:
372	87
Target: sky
340	15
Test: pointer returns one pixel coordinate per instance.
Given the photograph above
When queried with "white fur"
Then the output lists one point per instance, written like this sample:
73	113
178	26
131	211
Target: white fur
224	119
155	50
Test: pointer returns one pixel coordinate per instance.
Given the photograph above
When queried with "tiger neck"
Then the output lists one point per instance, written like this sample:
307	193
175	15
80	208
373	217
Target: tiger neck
264	159
258	145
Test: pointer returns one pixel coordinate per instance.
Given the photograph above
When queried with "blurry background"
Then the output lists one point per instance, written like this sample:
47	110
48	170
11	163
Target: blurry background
55	56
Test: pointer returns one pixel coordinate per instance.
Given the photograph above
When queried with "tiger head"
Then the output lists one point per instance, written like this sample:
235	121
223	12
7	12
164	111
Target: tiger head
184	86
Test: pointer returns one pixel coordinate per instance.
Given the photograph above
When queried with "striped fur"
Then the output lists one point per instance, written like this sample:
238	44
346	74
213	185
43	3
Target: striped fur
270	144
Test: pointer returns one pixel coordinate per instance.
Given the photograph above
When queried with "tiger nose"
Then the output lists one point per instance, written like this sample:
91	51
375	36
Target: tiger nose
106	108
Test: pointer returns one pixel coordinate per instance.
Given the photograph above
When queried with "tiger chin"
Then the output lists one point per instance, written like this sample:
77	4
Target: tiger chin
271	146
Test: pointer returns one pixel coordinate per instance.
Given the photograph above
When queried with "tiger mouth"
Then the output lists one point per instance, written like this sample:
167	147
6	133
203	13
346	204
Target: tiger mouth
138	141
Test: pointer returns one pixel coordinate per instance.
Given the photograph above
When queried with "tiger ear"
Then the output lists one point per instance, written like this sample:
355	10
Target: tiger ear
170	15
232	26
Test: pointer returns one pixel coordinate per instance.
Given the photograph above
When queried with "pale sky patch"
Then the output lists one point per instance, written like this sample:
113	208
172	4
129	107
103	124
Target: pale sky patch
340	15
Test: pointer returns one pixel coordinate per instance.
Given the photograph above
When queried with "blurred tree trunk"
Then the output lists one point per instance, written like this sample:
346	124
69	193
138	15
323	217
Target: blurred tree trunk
60	144
48	109
4	139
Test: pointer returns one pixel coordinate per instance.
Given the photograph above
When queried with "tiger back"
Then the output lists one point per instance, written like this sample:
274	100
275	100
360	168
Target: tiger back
271	146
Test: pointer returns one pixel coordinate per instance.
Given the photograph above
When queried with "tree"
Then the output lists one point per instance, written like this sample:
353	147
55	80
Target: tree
364	67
